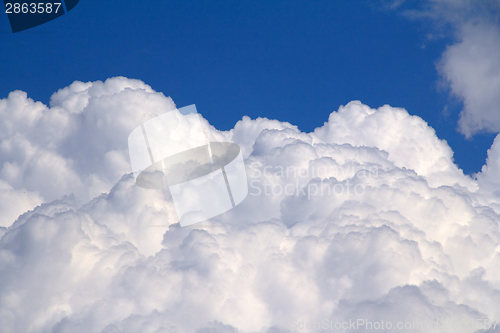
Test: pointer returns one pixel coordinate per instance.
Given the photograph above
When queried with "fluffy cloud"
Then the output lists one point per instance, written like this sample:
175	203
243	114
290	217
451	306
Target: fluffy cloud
410	142
365	218
77	146
470	66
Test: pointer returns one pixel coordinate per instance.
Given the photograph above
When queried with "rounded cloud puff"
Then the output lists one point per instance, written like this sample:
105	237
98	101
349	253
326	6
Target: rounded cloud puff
79	145
364	220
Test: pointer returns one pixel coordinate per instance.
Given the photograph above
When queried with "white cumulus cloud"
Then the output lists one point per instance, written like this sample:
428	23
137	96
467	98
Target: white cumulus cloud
470	65
472	69
366	219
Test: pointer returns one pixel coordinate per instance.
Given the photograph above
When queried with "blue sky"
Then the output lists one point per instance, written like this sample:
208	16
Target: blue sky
295	61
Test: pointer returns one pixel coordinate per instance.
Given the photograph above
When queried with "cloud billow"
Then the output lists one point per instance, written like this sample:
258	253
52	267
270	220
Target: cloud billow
84	249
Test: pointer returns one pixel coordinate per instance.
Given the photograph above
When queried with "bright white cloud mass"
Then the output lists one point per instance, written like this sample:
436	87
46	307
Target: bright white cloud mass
366	218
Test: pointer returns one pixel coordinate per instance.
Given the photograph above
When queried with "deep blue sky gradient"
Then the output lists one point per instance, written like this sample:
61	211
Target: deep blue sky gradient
295	61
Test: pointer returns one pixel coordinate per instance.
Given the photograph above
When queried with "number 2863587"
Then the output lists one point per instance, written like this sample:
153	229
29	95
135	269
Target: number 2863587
32	8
